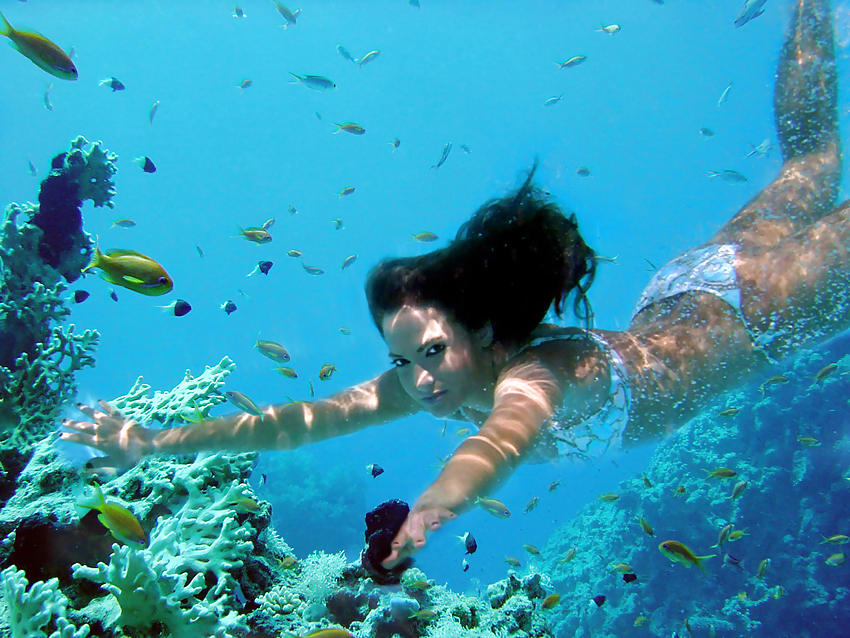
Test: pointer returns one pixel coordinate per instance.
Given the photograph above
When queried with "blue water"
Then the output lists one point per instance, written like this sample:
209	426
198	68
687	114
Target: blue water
474	73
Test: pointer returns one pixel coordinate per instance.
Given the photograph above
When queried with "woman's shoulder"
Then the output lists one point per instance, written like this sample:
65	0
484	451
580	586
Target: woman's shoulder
554	346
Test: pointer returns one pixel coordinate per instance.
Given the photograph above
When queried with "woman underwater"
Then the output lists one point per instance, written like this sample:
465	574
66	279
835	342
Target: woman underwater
463	324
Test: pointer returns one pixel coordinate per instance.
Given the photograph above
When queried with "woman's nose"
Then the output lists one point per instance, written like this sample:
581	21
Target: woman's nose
422	378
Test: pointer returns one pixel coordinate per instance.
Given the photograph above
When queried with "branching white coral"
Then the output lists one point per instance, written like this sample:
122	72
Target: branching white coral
32	609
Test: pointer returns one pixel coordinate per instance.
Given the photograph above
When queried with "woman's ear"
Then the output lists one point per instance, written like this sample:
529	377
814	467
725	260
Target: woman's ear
484	336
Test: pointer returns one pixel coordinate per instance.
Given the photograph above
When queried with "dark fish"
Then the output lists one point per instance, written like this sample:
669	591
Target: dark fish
181	307
465	565
113	83
731	560
599	600
146	164
470	543
228	306
629	578
263	478
80	296
200	251
375	470
265	267
113	295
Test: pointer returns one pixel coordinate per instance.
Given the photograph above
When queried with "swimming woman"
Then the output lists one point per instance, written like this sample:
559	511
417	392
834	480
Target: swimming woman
464	329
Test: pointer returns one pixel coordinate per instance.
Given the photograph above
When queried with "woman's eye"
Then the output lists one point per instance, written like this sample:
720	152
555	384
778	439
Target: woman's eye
398	363
437	348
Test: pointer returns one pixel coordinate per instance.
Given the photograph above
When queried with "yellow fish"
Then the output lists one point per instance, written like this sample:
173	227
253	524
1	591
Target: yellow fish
256	235
132	270
681	553
121	522
43	53
327	370
350	127
494	507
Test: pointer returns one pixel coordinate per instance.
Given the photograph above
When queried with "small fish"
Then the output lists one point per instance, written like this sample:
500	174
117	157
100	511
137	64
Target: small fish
583	171
729	176
424	614
762	568
550	601
707	133
345	54
623	568
345	331
728	412
465	149
599	600
246	84
273	350
200	251
46	98
808	441
41	51
132	270
287	372
681	553
776	380
724	534
531	505
291	17
237	12
243	293
375	470
152	112
310	389
646	527
32	168
146	164
413	3
245	503
312	270
345	192
531	549
573	61
469	542
731	560
293	253
751	9
268	223
120	521
838	539
641	621
178	307
327	371
338	225
608	497
553	100
229	307
263	479
725	95
262	267
318	116
738	534
569	556
464	565
824	372
739	489
113	295
777	593
463	432
80	296
420	585
610	29
493	507
444	155
348	261
629	578
835	560
513	562
554	485
366	59
395	143
680	490
425	237
350	127
762	150
113	83
244	403
646	481
292	210
315	82
288	562
123	223
721	473
256	235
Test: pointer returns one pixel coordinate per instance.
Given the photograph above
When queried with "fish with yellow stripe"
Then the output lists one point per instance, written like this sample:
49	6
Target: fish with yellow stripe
132	270
44	54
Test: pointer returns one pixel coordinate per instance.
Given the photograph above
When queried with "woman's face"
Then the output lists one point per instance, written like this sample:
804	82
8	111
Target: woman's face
440	364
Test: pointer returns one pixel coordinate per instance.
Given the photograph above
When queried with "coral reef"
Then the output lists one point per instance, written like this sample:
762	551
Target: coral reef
788	444
38	355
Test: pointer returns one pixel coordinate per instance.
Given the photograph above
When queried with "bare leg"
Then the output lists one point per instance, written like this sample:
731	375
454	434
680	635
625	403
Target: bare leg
798	293
805	100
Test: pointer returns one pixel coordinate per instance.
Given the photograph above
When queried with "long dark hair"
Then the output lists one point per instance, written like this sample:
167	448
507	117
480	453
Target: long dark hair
517	256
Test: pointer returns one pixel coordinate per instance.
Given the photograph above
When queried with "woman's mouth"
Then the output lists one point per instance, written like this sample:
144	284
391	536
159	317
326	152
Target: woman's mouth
433	398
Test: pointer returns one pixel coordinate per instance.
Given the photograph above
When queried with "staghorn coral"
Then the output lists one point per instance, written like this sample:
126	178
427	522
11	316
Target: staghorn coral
34	610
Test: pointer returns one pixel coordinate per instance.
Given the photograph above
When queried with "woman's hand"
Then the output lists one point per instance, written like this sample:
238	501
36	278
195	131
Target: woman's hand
124	442
415	530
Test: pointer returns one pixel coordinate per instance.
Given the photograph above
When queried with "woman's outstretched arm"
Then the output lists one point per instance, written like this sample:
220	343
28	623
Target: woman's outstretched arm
283	427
